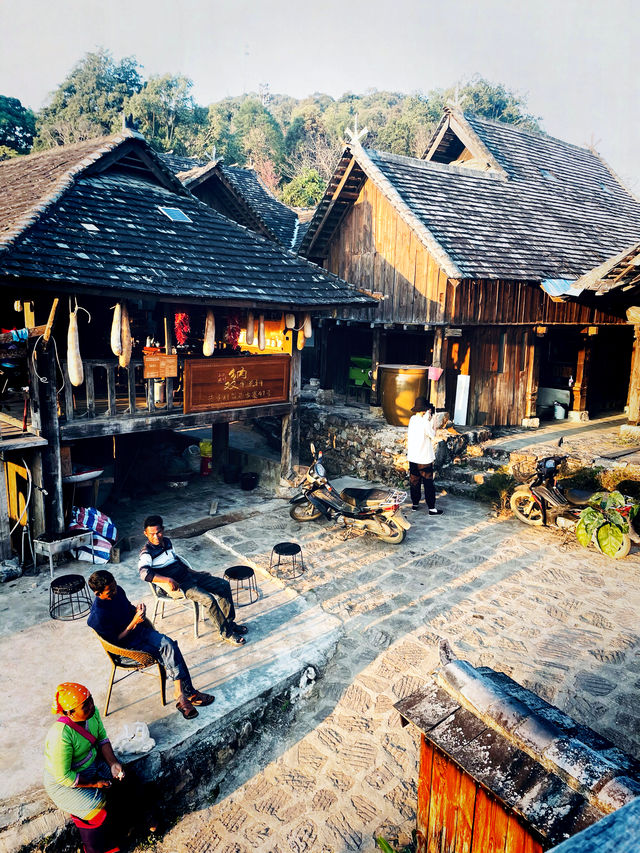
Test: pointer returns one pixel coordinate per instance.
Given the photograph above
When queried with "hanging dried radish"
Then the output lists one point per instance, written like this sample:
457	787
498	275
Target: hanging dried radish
116	330
289	321
125	335
251	332
209	343
74	360
301	339
262	341
306	326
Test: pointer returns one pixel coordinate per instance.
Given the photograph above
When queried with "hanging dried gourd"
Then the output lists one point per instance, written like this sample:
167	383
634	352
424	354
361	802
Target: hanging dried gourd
74	360
209	343
116	330
301	339
125	336
306	326
289	321
262	341
251	333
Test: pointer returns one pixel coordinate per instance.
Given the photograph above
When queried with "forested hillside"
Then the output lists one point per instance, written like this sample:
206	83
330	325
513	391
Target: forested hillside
292	143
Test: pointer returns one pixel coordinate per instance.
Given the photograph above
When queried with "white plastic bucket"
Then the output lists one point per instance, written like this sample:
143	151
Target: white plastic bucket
558	412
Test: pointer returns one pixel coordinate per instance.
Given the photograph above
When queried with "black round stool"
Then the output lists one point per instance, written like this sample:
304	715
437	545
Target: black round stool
69	598
240	574
280	568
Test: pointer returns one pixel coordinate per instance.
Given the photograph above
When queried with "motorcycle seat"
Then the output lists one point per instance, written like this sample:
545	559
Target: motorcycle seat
578	497
363	497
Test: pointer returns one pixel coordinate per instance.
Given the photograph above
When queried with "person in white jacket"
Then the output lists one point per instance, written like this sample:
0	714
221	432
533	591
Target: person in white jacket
420	435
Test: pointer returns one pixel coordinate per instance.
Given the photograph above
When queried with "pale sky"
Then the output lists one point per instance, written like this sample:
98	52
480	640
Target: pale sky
577	61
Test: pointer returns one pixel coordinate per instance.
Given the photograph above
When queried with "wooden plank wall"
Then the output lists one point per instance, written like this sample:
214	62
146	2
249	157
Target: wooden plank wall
498	380
374	249
456	815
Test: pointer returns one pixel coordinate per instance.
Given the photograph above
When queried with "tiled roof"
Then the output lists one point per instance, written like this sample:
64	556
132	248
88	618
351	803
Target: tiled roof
550	209
274	219
72	221
558	774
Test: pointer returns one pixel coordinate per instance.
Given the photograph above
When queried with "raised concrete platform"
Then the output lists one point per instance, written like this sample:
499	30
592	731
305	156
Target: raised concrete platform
286	635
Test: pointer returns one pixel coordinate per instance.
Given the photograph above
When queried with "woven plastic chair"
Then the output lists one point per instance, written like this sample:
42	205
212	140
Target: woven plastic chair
134	661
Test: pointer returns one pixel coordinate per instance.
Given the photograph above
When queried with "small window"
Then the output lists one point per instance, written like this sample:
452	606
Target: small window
89	226
175	214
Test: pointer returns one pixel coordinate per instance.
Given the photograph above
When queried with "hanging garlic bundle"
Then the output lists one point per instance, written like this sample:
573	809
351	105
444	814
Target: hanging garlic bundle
116	330
306	326
209	343
125	336
261	333
301	339
251	333
289	321
74	360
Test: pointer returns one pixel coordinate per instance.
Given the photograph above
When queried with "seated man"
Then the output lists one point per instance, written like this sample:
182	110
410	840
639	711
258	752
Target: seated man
159	564
114	618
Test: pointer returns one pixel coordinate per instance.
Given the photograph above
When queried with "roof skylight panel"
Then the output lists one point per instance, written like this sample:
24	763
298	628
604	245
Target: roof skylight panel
175	214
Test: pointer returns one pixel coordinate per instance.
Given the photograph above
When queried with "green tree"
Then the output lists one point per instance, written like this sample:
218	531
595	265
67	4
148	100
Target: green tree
483	98
259	133
89	101
305	190
165	111
17	128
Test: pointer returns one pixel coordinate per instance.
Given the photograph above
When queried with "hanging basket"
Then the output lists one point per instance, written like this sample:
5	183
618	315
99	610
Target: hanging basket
434	373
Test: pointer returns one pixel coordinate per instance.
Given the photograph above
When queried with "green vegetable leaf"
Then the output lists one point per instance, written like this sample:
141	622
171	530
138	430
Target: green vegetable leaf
609	539
384	845
614	499
614	517
591	519
583	535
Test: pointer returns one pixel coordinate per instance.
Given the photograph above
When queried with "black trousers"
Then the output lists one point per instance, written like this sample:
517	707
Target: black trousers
422	475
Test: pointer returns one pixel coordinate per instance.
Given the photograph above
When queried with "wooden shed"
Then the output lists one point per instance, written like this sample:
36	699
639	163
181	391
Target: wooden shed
469	250
502	770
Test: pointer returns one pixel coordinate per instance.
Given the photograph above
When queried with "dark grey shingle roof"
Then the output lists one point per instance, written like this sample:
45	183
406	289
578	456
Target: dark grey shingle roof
132	246
279	218
529	226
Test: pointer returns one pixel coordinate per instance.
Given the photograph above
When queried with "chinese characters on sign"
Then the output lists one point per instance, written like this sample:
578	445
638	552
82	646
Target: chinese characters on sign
230	382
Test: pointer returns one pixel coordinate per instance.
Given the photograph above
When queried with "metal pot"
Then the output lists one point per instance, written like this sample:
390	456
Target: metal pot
400	384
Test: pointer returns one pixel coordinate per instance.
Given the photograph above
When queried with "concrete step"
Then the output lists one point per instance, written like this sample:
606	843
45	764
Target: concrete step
466	474
456	487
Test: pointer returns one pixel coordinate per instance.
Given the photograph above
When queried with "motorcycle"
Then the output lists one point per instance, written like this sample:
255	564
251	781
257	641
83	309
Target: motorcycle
543	500
371	510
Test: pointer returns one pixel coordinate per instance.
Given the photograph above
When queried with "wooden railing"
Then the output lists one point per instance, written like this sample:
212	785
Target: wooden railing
110	402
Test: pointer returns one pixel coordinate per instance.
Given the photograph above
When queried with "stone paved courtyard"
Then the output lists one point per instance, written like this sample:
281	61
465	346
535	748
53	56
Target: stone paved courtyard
558	619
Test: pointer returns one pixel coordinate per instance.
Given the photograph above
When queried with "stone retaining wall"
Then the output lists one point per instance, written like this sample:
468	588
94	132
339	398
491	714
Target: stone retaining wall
359	444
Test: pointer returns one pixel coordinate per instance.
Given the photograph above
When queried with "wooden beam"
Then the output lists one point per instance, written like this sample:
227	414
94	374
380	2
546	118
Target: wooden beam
581	385
5	537
533	369
50	429
290	448
334	199
34	332
633	416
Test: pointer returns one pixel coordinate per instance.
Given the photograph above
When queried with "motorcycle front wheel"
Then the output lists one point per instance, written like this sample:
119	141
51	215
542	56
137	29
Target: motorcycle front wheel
304	511
525	508
397	533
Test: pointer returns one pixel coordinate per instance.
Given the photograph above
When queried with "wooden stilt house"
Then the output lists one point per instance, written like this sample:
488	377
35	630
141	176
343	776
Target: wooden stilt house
104	223
470	250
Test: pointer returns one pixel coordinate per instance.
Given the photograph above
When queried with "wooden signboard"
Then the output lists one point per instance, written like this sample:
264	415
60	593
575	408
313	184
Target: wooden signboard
226	383
160	365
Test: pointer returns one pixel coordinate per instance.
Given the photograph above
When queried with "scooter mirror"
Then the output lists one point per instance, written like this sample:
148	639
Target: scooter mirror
313	449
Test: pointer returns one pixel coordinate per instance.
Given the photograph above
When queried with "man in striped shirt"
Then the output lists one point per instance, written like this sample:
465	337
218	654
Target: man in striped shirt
159	564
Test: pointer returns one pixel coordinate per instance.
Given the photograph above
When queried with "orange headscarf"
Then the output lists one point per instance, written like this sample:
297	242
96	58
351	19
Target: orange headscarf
69	695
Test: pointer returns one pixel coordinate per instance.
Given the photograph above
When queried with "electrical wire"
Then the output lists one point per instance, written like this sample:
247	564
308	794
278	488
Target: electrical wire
44	379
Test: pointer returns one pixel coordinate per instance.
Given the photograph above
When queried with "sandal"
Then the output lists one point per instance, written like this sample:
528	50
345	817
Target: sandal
186	708
234	639
199	698
239	629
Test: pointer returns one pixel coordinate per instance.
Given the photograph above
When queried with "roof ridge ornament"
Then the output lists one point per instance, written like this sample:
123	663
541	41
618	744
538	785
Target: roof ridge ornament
355	135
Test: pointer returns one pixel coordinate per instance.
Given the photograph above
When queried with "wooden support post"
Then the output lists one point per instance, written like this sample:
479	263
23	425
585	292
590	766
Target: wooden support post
533	369
219	446
38	525
111	390
50	429
633	415
378	356
438	392
324	335
91	391
582	376
290	449
168	345
131	388
5	526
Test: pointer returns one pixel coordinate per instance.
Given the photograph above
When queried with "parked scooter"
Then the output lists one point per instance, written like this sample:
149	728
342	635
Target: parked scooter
374	511
542	500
